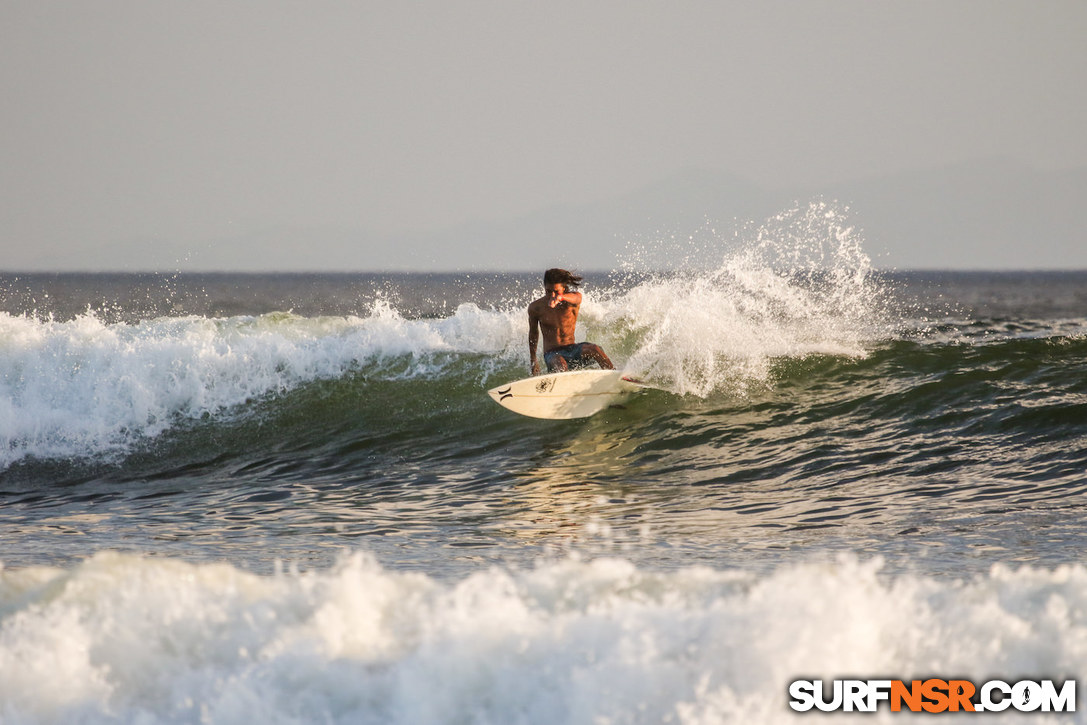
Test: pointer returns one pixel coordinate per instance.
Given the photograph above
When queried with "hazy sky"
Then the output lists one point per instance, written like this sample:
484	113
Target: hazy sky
170	123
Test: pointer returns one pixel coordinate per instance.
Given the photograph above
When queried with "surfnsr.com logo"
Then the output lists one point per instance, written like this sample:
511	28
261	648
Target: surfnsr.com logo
933	695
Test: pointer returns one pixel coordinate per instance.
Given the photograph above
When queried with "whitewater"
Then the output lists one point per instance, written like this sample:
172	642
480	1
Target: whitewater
135	640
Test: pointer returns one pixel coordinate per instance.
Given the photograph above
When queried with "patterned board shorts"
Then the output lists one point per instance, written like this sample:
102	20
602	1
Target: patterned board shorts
572	354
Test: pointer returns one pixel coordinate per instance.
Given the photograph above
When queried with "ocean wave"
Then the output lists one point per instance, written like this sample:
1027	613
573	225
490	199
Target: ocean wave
792	302
86	387
120	638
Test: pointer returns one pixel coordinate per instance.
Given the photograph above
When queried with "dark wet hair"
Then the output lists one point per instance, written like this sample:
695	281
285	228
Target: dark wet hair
562	276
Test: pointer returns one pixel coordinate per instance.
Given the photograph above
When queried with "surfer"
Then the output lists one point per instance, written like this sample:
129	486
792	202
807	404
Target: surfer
555	316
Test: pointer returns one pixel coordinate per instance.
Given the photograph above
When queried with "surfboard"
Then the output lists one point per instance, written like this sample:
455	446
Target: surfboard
575	394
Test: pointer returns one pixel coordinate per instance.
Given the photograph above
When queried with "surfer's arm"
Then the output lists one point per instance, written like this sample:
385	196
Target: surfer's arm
533	340
571	298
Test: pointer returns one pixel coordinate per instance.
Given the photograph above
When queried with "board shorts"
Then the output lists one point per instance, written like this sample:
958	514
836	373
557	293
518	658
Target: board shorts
572	354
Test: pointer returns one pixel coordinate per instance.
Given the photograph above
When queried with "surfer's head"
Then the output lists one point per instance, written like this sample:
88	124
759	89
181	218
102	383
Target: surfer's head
564	277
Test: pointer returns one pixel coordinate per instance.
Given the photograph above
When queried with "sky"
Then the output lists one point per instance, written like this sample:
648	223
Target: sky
161	134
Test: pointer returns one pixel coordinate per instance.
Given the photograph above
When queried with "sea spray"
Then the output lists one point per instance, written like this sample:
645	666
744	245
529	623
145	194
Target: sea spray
799	284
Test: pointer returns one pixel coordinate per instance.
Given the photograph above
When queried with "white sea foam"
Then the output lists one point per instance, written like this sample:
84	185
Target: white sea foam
85	387
127	639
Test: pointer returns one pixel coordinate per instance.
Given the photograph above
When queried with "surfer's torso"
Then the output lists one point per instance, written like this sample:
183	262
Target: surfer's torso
557	324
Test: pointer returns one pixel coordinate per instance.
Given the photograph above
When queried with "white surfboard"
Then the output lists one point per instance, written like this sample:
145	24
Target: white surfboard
576	394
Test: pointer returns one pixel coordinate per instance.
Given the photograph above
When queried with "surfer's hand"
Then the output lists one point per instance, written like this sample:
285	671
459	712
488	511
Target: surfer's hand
535	368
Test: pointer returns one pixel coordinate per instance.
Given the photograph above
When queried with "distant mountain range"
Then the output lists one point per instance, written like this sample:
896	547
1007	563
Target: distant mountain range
987	215
992	214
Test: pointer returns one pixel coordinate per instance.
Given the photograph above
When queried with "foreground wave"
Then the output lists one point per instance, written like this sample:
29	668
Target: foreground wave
129	639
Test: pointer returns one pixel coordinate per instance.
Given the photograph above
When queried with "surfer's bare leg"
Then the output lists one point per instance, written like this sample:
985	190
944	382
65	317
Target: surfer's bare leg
558	365
597	353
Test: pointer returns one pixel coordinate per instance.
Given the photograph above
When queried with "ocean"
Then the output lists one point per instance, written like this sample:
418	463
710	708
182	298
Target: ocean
287	498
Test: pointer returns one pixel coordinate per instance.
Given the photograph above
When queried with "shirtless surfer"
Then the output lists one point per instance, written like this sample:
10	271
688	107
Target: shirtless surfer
555	315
